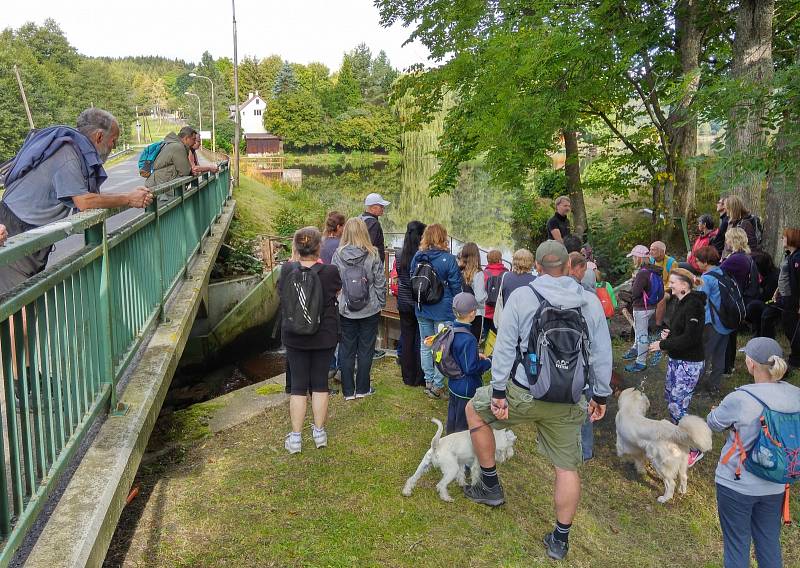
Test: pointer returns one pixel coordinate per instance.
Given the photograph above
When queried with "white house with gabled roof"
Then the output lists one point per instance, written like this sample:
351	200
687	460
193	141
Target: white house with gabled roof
252	114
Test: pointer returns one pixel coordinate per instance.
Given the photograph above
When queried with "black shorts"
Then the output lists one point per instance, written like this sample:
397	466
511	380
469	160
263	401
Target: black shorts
14	274
309	369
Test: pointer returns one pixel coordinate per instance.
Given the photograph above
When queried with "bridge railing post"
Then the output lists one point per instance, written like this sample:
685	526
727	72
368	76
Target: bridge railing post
96	235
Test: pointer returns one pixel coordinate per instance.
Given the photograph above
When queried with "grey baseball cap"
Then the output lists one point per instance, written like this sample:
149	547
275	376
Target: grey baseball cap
760	349
553	249
464	303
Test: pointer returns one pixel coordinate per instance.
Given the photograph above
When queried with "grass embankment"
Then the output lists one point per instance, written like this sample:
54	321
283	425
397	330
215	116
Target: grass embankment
333	159
256	206
237	499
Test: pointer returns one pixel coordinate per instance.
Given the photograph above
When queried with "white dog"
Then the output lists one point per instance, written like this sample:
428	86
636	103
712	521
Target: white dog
451	453
661	442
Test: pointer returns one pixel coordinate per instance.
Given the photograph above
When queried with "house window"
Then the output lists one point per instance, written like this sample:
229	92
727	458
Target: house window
258	102
257	112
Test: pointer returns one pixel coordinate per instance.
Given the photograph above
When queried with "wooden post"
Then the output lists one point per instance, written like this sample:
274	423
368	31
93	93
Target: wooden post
24	98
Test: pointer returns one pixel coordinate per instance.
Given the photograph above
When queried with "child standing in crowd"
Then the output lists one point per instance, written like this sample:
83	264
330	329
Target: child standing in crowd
749	507
646	292
682	343
469	261
493	277
473	364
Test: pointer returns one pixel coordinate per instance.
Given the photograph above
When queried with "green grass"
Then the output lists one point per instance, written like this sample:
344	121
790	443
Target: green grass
238	499
256	206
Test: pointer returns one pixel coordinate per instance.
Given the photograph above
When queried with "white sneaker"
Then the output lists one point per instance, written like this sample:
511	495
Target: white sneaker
351	397
320	437
370	392
293	443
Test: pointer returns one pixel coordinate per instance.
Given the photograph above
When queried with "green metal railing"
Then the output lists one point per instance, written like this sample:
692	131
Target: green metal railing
68	334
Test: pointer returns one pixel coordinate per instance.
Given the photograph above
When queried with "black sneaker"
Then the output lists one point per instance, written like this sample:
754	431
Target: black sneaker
480	493
556	549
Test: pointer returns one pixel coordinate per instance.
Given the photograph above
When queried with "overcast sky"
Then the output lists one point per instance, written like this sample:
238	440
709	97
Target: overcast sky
298	30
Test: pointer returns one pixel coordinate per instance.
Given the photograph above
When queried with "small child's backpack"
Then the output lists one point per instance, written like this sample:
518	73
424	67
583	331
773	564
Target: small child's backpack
148	157
425	283
557	360
493	285
355	286
301	299
775	455
656	293
731	311
605	293
441	350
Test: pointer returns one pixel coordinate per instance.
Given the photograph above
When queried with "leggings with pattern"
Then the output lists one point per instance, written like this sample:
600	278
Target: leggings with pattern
679	386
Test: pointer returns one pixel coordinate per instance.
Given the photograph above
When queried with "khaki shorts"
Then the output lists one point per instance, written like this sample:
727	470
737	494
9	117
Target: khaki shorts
558	425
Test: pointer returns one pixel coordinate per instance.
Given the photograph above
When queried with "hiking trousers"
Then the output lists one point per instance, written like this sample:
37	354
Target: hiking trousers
750	518
641	333
357	342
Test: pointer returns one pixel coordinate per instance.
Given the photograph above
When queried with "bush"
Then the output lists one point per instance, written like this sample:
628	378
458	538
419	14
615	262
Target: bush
611	241
551	183
528	219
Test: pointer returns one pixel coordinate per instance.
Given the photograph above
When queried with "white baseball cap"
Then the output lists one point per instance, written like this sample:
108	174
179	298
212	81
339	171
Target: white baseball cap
375	199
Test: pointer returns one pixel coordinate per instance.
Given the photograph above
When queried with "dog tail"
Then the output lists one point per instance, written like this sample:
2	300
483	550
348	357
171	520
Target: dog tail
694	433
438	435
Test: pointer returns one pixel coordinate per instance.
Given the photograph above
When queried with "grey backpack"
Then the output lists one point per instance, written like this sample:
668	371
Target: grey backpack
355	286
440	349
557	360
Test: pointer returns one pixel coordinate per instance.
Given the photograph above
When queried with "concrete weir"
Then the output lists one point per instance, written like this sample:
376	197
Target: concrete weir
80	528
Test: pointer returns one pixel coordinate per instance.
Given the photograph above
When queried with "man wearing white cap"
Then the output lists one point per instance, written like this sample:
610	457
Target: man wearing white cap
374	206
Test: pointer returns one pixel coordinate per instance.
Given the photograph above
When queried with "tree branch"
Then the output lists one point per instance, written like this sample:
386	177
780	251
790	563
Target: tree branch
624	139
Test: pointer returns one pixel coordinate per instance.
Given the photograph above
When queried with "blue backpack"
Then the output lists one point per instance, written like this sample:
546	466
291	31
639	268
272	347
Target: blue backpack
147	158
775	455
656	292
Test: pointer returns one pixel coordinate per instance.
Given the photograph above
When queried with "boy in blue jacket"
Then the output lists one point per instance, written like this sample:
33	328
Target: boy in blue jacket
464	350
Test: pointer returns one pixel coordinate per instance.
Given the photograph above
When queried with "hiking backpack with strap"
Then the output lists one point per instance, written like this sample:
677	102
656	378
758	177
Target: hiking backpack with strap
442	352
301	299
500	304
425	283
147	158
557	360
355	285
753	289
731	310
656	292
758	228
775	455
493	285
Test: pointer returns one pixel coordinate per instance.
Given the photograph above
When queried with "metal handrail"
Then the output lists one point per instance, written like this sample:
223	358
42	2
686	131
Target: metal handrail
68	334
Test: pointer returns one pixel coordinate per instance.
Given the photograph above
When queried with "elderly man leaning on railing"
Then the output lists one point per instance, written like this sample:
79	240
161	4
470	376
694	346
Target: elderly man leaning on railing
59	169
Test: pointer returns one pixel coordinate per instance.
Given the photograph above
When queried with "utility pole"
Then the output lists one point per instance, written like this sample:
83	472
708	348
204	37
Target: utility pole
25	99
236	100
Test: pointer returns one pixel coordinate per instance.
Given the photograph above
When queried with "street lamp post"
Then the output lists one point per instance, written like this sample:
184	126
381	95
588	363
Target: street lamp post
199	114
236	99
213	112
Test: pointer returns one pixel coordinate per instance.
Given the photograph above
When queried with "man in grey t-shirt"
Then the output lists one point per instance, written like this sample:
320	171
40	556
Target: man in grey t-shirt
57	186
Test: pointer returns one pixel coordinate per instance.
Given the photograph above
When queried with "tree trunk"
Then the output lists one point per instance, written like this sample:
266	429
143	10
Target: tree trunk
572	171
783	189
752	66
682	120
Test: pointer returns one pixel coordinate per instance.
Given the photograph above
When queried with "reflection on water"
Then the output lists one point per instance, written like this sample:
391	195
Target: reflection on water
475	211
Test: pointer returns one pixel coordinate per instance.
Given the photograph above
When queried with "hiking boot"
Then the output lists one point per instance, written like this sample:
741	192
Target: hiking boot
293	443
695	456
370	392
480	493
434	392
635	368
631	354
655	358
556	549
320	437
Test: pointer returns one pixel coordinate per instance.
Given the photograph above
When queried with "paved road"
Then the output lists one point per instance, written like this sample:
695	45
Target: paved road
122	177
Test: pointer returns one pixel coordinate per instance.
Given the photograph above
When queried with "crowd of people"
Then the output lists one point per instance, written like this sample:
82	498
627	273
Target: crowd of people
461	317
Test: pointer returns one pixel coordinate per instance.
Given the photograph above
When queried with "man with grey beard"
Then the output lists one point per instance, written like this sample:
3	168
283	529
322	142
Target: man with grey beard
57	171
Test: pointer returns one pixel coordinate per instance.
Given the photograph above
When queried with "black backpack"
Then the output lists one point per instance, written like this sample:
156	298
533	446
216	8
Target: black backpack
425	283
557	360
301	299
731	311
753	289
355	286
493	285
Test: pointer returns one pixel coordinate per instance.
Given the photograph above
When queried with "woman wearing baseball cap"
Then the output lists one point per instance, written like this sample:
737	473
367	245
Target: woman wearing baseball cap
750	507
